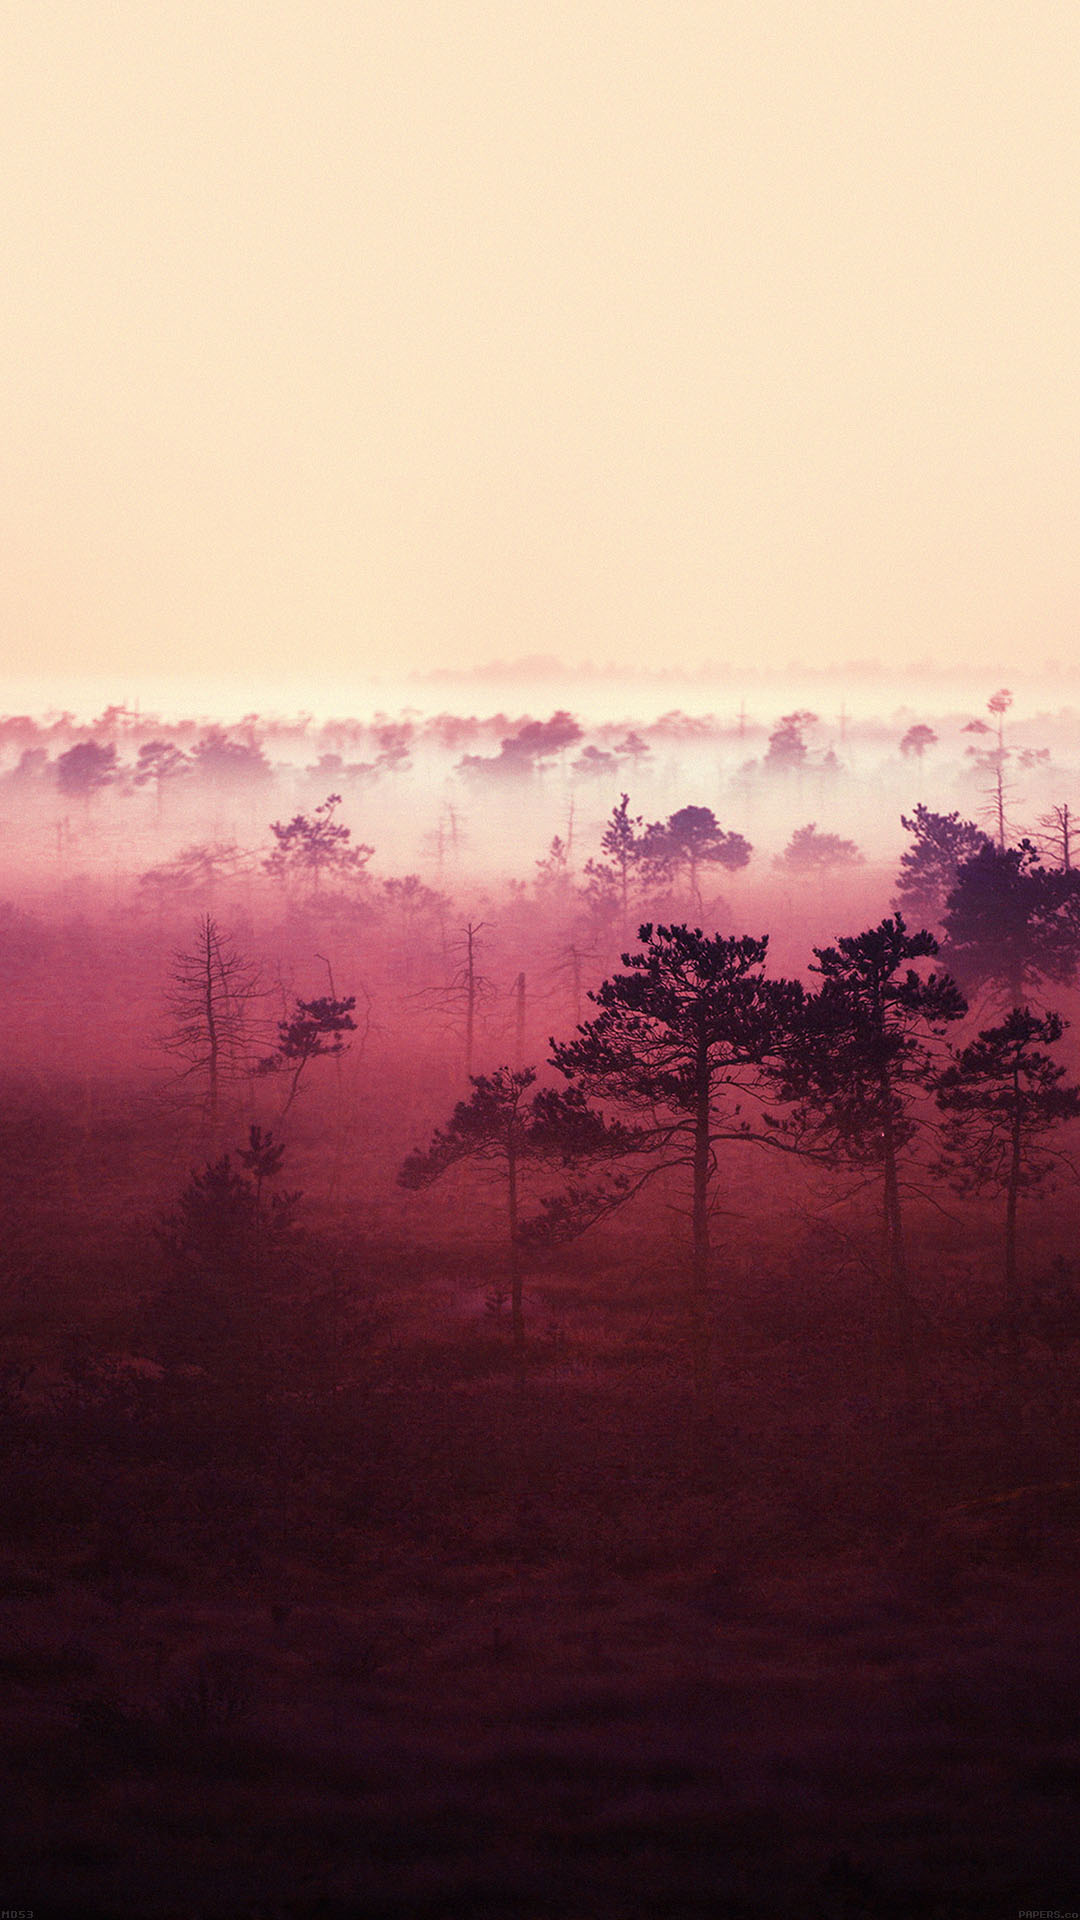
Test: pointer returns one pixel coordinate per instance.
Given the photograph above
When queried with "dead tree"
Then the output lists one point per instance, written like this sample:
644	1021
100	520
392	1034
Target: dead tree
212	1000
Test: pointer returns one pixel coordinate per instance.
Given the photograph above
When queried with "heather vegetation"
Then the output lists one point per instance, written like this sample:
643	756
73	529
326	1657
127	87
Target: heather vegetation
539	1314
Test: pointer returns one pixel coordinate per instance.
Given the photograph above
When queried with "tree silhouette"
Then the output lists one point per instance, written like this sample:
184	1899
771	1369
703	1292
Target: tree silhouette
1012	924
995	794
503	1126
567	968
522	752
929	868
999	704
228	1259
809	851
198	870
852	1060
32	764
393	740
687	841
594	763
1058	838
993	761
599	901
679	1042
420	912
465	990
469	987
447	832
553	876
312	1031
219	1212
609	879
222	762
213	991
917	741
311	845
1003	1096
85	769
787	750
160	761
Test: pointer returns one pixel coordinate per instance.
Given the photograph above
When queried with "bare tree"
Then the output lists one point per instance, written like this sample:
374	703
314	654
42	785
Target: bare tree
461	995
1058	835
213	994
471	986
567	969
994	761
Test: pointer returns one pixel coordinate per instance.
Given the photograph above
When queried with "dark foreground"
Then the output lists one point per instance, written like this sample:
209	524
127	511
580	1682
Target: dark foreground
585	1657
341	1620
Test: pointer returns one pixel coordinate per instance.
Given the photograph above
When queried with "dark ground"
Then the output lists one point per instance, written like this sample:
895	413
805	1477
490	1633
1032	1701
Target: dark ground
421	1645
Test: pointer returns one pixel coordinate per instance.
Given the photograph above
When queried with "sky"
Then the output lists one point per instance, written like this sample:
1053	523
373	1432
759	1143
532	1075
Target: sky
343	343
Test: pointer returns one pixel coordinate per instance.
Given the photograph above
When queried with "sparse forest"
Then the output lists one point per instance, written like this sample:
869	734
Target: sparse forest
540	1311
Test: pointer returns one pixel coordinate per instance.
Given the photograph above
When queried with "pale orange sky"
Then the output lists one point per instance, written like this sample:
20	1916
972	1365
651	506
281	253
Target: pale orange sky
347	340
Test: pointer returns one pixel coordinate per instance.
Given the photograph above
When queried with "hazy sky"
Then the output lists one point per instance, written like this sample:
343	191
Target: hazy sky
356	338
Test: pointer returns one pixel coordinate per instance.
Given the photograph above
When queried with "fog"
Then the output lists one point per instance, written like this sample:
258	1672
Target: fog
425	1496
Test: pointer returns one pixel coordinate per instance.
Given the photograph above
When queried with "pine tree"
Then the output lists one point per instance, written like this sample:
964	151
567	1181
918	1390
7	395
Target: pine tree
859	1050
687	841
942	842
679	1042
311	845
621	845
1012	924
809	851
1003	1096
314	1030
504	1126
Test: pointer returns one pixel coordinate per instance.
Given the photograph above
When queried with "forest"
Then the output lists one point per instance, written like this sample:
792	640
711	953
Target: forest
540	1315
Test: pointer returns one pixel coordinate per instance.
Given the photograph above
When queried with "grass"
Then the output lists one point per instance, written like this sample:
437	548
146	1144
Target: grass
369	1626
